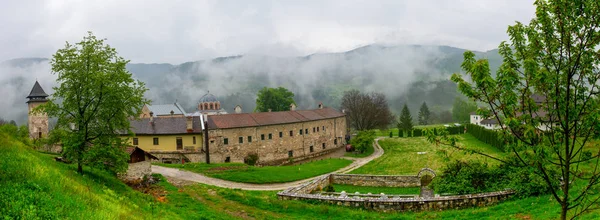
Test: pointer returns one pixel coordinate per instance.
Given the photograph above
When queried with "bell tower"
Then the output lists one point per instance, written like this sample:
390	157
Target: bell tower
37	122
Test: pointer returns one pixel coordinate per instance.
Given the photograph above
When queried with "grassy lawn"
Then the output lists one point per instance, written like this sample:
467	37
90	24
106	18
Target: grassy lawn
401	155
386	132
367	152
34	186
376	190
265	205
268	174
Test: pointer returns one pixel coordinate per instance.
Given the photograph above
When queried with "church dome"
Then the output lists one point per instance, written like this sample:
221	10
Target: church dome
208	98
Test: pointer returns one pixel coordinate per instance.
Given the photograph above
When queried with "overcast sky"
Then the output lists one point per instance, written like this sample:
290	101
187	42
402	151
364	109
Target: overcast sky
178	31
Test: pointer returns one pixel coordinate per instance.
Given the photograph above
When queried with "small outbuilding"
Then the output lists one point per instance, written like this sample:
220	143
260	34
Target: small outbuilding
139	163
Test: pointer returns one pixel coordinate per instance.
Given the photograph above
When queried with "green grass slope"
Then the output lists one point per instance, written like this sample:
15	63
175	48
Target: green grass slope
34	186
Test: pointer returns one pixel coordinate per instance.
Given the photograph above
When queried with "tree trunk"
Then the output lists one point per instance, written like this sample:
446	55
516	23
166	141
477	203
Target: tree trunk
79	168
563	211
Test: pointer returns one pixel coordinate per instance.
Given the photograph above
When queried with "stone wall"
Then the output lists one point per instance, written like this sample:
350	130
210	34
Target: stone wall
382	202
138	170
377	180
277	149
195	157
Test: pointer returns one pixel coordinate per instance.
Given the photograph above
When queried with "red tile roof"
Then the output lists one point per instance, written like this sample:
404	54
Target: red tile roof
270	118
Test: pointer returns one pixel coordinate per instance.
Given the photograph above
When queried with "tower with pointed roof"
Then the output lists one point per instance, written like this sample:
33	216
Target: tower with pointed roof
37	122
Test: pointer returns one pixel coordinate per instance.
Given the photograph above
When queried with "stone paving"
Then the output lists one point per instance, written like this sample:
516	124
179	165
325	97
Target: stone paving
174	173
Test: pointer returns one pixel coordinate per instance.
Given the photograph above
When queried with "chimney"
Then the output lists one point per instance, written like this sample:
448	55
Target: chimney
269	110
292	107
344	111
152	118
237	109
190	124
172	112
320	105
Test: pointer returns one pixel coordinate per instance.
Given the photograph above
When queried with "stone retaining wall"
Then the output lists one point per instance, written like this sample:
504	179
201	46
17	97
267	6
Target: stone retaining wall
377	180
384	202
137	170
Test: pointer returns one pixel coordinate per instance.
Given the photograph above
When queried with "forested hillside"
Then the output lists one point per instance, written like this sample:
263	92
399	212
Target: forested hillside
408	74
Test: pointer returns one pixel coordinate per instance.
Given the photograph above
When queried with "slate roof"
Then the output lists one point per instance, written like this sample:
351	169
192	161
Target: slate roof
166	109
171	125
270	118
37	91
492	121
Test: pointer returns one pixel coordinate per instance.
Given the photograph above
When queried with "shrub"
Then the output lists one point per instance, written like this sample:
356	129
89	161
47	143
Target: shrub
251	159
329	188
363	140
391	134
460	177
417	132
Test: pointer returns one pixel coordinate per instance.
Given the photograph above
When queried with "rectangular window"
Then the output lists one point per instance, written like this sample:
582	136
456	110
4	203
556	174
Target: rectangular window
280	134
291	133
335	141
241	140
227	159
317	129
314	129
179	143
262	137
291	153
323	145
323	128
249	139
155	141
194	139
300	132
270	136
135	141
311	149
306	131
225	141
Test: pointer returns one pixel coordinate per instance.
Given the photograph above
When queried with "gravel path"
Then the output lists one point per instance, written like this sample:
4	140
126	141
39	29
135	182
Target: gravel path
199	178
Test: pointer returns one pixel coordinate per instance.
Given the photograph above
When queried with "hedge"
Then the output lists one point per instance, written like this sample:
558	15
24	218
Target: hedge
487	136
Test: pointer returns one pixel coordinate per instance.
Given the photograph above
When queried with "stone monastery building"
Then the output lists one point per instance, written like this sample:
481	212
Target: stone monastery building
172	135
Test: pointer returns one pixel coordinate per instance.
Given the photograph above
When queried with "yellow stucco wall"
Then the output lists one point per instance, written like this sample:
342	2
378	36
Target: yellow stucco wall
167	142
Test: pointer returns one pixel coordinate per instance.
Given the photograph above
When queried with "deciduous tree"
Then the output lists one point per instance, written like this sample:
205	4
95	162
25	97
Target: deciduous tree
366	111
546	92
461	110
94	100
274	99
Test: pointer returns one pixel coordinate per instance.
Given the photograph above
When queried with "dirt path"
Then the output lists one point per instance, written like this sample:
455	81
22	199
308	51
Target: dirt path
199	178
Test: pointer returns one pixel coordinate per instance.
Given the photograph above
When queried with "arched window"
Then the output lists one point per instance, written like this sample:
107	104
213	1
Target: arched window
205	106
211	106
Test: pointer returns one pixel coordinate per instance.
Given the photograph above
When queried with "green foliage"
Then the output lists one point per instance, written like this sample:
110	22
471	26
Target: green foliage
251	159
547	92
96	96
391	134
487	136
275	99
424	114
239	172
405	121
18	133
461	110
417	132
461	177
363	140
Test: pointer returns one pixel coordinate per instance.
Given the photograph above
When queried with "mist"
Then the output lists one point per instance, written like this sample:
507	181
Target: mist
405	74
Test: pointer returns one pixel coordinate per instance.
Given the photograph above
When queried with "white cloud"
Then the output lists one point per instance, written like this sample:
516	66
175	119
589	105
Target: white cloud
180	31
